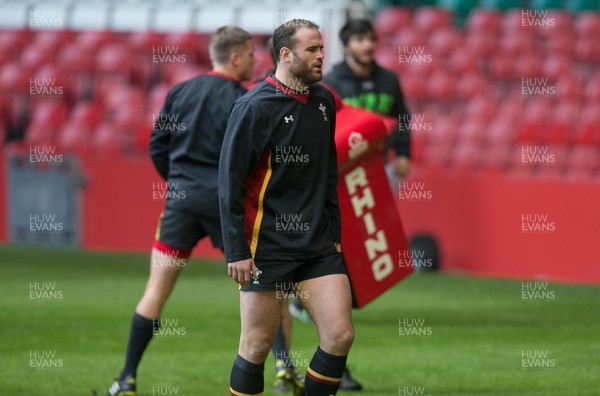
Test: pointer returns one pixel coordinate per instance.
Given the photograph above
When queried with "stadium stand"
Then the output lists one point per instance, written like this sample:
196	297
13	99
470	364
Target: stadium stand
480	72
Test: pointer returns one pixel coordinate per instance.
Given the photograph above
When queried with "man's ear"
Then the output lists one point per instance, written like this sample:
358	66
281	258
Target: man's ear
233	58
285	54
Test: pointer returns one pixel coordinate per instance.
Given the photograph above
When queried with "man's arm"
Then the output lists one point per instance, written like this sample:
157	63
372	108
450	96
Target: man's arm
160	138
400	138
245	140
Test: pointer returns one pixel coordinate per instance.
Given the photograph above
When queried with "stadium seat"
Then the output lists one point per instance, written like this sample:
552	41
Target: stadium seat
428	19
569	88
53	39
481	108
93	40
587	24
184	43
482	44
527	65
484	20
555	66
587	49
35	56
472	84
12	42
441	85
13	78
444	41
46	120
471	132
113	67
391	20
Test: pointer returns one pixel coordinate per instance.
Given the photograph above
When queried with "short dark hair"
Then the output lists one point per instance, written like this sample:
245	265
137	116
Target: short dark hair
284	35
224	41
355	26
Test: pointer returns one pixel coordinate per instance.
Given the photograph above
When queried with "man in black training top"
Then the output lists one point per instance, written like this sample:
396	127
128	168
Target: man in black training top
185	146
361	82
280	213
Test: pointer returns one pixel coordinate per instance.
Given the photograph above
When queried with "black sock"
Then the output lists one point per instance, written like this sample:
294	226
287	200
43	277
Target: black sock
246	378
324	374
280	351
142	330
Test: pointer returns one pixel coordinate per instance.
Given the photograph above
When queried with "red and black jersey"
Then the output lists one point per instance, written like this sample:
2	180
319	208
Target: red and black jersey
278	174
186	141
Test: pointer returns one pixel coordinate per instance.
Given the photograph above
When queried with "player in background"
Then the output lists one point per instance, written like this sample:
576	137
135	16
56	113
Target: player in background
185	146
361	82
280	214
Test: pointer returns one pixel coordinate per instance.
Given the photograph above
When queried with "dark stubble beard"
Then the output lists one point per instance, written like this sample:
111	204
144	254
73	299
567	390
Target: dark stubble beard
356	59
304	72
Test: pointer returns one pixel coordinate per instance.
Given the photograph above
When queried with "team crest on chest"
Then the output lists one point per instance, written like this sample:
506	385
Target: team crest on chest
323	108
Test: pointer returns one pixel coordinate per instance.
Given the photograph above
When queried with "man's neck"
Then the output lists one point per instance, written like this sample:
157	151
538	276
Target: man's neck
226	71
359	69
289	80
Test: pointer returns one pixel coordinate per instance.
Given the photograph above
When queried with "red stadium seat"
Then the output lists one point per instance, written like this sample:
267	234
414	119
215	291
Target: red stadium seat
93	40
502	66
482	44
182	44
76	134
591	91
484	20
391	20
444	41
471	85
35	56
482	109
556	66
47	119
441	85
587	49
53	40
569	88
428	19
465	62
587	24
528	65
13	78
12	43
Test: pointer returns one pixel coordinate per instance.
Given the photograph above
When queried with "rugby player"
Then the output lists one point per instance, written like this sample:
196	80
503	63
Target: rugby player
280	213
186	155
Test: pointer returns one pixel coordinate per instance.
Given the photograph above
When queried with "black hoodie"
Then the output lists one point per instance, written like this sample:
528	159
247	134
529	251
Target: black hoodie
379	92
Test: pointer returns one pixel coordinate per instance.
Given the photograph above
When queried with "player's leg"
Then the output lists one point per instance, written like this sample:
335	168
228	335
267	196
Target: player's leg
166	263
328	300
260	314
286	376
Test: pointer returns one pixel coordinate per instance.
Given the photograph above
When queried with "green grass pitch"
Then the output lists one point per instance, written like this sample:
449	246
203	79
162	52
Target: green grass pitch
432	334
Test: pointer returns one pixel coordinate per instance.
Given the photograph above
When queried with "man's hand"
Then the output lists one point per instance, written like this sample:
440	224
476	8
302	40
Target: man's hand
338	247
239	271
401	166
